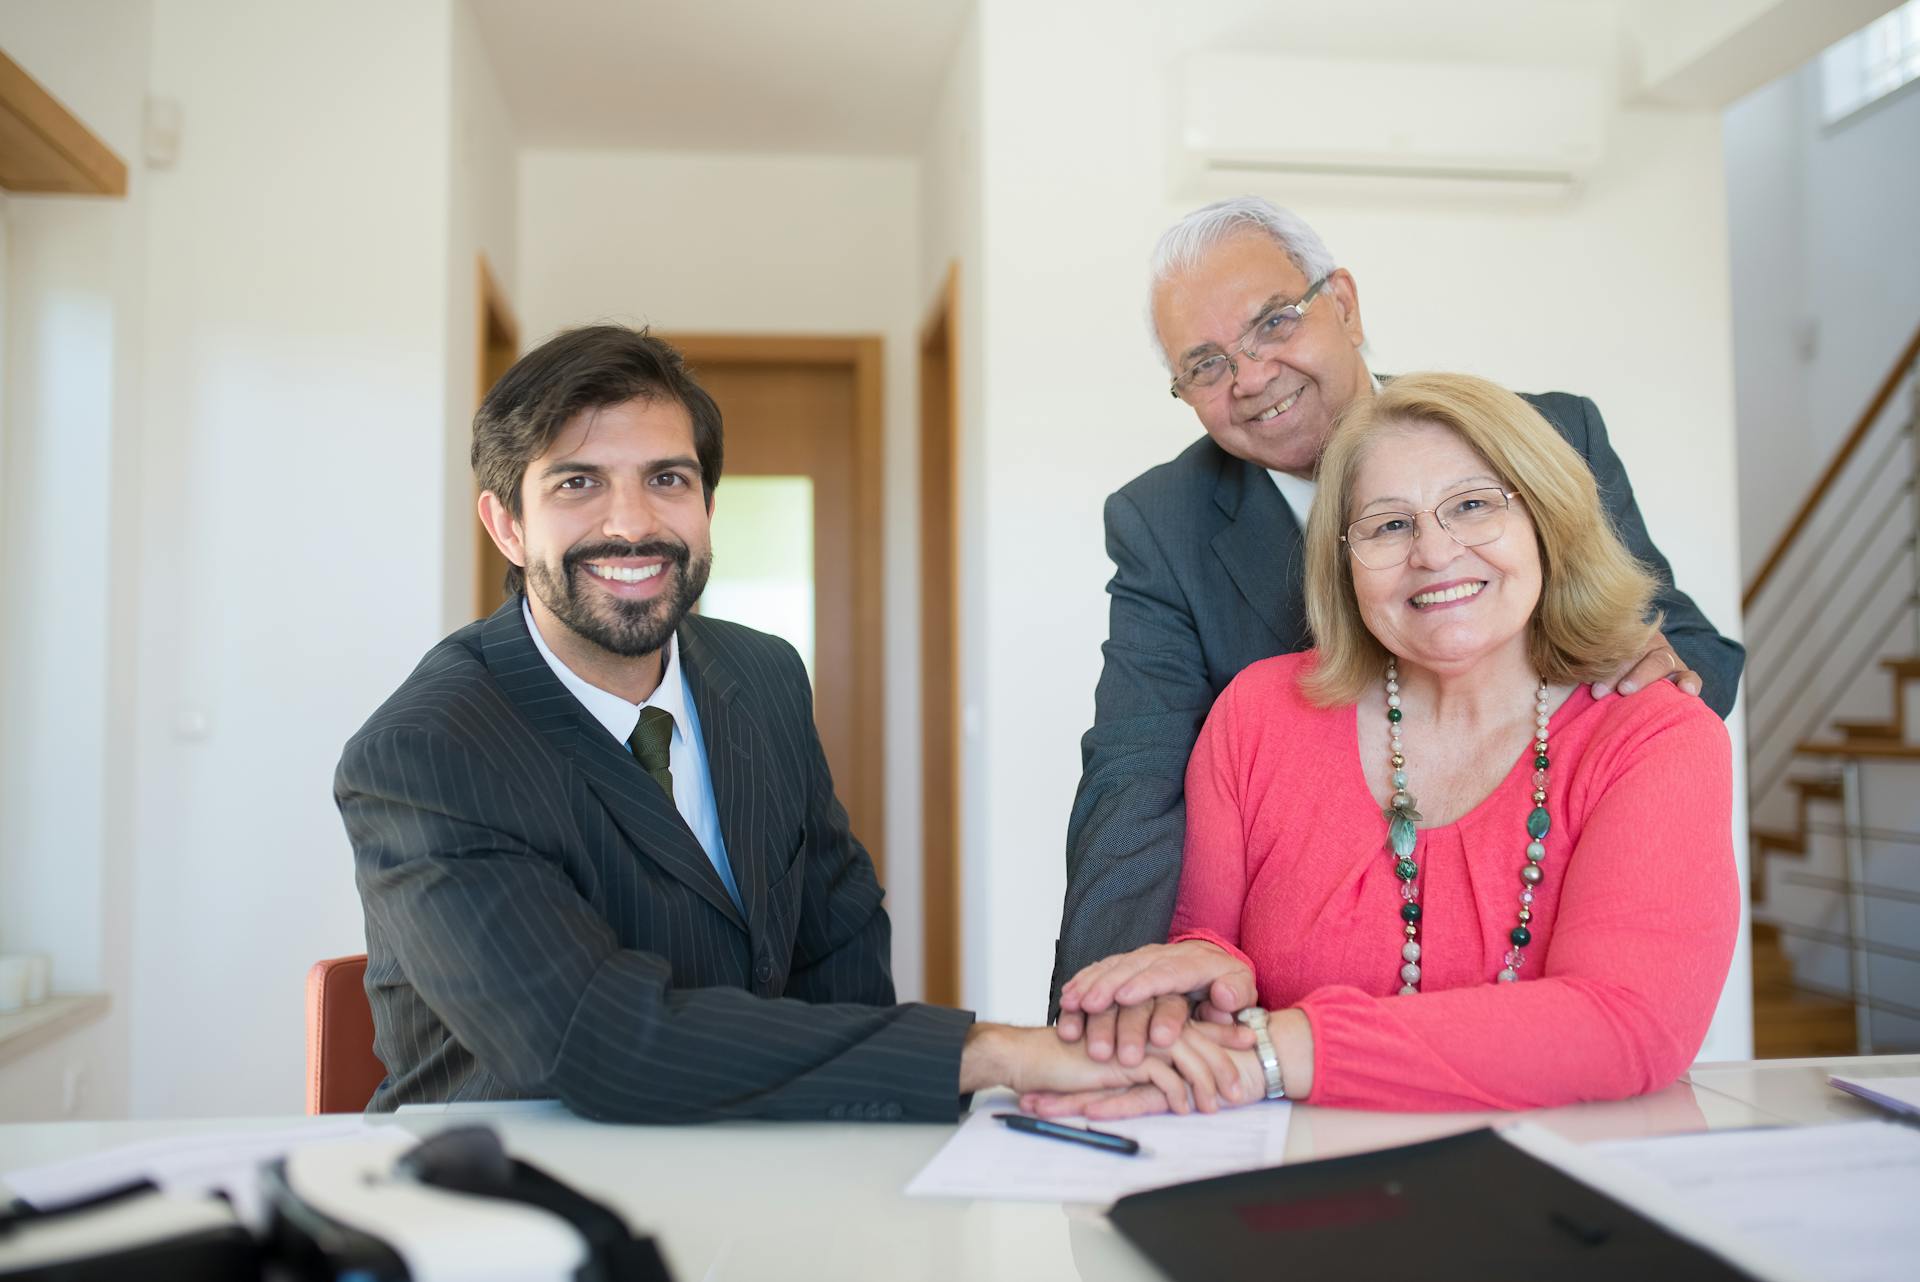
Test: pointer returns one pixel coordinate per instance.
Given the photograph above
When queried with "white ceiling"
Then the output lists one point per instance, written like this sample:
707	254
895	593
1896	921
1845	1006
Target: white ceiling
839	76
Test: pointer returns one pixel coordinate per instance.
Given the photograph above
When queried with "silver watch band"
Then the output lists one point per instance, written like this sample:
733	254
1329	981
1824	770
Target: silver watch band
1255	1017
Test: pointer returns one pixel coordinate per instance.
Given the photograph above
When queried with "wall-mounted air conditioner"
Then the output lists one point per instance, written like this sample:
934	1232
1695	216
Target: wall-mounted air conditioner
1246	120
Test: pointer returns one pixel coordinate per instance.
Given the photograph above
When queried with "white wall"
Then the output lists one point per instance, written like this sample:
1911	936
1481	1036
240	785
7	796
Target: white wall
291	506
483	221
765	245
1826	281
1620	293
74	273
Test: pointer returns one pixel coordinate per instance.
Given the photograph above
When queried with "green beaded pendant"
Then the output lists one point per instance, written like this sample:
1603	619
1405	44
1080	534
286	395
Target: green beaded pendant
1400	835
1406	869
1538	823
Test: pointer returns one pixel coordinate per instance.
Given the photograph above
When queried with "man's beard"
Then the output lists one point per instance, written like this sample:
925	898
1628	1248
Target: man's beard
623	627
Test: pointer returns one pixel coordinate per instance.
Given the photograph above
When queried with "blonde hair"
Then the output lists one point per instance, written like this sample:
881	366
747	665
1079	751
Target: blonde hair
1593	613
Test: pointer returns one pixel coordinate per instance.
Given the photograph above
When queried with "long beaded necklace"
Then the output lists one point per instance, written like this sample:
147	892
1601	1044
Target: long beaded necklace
1401	816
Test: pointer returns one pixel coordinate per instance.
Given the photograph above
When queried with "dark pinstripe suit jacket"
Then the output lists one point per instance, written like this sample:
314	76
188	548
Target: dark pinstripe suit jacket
542	923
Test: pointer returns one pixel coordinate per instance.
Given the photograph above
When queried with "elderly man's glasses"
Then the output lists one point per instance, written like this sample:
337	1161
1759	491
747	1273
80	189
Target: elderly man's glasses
1272	330
1382	540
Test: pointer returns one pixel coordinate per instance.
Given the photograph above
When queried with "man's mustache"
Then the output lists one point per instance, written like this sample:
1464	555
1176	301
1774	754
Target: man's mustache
664	548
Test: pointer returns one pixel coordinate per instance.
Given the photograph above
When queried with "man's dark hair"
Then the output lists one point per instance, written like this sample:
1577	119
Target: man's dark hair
593	367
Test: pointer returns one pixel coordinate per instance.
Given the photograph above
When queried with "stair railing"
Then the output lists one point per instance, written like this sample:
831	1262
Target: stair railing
1819	611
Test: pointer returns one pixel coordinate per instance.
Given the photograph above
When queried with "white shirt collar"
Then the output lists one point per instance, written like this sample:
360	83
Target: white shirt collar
1298	491
610	710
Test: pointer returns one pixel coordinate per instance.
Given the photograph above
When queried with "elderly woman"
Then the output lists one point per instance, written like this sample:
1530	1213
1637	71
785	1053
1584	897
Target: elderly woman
1455	879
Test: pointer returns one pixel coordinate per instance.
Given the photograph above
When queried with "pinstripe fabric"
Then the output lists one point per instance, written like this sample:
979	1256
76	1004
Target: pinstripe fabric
541	921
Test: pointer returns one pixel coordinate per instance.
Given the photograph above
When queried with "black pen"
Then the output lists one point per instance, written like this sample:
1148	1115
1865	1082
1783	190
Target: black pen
1105	1141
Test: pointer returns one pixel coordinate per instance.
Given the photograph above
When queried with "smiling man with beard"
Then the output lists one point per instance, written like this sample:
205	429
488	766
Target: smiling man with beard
595	836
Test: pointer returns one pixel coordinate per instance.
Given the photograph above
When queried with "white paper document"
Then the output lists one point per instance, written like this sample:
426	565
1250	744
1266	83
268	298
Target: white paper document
1898	1094
987	1161
1830	1202
188	1166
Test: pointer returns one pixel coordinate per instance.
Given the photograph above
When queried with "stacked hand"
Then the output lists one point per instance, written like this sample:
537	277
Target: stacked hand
1171	1001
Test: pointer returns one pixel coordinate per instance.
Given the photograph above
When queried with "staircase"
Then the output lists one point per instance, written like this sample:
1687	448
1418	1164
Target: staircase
1789	1018
1787	1022
1833	721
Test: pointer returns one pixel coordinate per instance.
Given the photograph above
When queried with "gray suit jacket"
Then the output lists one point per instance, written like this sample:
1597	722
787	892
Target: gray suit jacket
1208	579
542	923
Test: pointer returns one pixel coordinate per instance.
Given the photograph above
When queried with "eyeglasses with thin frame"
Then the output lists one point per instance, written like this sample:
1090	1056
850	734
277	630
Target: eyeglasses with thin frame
1273	328
1471	518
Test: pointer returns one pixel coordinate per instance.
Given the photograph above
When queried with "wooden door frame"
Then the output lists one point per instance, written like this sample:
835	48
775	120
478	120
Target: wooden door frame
863	357
940	817
494	327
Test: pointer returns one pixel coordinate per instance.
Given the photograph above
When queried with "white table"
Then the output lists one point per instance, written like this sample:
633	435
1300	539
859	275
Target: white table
800	1200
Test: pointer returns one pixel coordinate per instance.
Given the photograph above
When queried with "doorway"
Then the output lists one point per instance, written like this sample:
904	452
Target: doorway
497	346
939	649
797	532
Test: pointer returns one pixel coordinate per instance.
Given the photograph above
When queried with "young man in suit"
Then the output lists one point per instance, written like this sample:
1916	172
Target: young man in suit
595	836
1261	333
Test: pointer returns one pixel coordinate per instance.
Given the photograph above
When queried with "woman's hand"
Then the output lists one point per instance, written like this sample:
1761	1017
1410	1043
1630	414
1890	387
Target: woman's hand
1204	1046
1122	1004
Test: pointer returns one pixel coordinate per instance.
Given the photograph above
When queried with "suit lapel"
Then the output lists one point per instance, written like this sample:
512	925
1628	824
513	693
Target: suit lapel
643	812
738	757
1261	548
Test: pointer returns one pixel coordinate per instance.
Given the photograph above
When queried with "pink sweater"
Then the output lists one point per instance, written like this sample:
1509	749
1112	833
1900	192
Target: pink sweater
1633	925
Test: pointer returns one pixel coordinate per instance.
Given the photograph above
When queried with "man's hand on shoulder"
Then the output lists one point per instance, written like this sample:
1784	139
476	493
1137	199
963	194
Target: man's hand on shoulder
1661	662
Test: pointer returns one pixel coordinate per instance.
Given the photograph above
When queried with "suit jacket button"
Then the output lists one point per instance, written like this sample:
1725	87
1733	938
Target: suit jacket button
764	971
891	1112
837	1112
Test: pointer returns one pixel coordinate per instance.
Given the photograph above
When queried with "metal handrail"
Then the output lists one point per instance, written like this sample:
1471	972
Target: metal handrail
1765	722
1844	939
1817	555
1814	881
1891	383
1813	723
1796	660
1814	616
1871	1003
1888	836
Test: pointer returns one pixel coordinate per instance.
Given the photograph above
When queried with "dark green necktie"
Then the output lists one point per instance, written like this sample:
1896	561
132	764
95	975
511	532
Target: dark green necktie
652	744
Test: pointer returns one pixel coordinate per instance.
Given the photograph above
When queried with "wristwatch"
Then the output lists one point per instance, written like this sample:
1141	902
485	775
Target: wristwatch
1255	1017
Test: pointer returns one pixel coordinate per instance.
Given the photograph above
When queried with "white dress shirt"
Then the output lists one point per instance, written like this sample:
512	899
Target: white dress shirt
1298	491
687	753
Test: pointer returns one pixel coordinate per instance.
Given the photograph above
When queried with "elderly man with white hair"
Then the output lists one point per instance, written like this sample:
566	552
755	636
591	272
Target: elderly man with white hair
1261	332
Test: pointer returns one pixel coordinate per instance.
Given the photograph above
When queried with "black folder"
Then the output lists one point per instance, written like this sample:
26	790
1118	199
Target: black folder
1471	1207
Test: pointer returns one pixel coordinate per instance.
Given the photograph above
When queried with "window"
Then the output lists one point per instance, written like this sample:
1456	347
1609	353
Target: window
1871	63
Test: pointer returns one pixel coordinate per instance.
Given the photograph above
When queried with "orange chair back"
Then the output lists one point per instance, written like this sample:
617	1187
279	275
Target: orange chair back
342	1070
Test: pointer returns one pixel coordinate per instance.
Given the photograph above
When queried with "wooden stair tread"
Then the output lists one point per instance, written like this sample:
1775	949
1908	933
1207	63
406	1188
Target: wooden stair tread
1886	749
1825	789
1908	668
1869	730
1778	839
1787	1021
